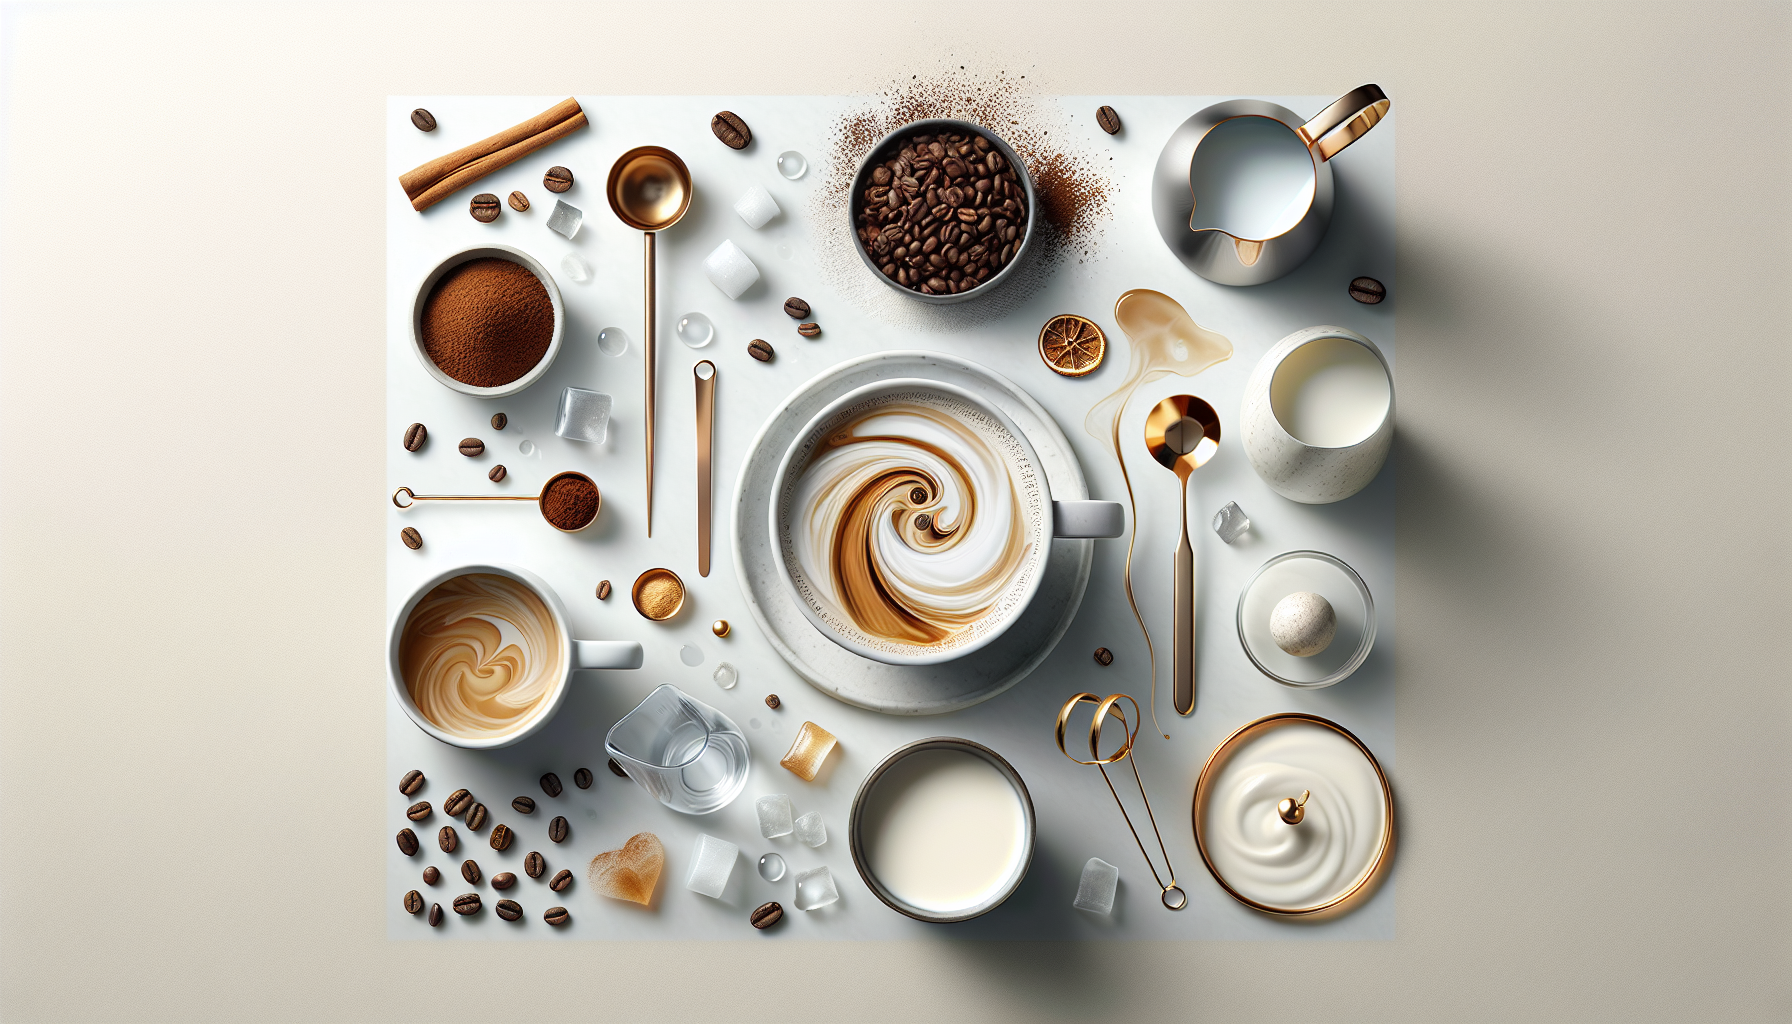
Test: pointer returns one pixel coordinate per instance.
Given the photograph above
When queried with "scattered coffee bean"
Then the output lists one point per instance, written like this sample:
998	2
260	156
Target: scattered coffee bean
1104	656
556	916
733	132
582	778
603	590
772	701
407	842
500	421
497	474
534	864
810	330
484	207
523	805
561	880
413	781
431	875
616	769
435	915
767	914
519	202
447	839
413	902
795	308
1368	291
1109	119
457	803
558	829
424	120
503	880
558	179
412	539
760	350
475	817
509	910
469	870
418	811
502	837
414	436
466	904
471	447
550	784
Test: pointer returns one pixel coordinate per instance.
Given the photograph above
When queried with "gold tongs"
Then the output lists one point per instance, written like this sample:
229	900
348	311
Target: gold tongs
1104	705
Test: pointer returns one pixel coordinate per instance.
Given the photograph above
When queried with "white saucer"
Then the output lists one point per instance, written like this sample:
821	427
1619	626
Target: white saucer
922	689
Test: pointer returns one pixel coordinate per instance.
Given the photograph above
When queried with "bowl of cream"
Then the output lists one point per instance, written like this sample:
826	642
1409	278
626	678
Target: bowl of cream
942	830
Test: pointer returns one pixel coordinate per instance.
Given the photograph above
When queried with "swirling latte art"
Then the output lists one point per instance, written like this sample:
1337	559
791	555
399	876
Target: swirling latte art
479	654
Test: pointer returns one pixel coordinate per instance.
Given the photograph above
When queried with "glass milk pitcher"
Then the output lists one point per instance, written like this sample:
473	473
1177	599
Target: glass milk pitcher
690	756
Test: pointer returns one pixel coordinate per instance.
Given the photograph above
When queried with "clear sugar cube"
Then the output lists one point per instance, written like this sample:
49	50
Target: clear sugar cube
1231	522
756	206
583	416
565	219
811	830
774	815
1095	890
729	269
712	863
815	889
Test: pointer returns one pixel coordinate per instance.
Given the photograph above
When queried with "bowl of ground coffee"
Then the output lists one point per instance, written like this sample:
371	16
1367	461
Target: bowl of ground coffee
487	321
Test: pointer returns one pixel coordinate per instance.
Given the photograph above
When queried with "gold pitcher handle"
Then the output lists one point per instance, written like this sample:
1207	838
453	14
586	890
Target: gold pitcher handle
1345	121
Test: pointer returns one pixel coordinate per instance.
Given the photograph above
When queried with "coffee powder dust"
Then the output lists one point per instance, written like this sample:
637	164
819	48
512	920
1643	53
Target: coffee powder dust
488	322
570	502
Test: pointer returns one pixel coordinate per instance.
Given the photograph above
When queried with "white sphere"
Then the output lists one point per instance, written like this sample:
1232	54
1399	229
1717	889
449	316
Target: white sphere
1303	624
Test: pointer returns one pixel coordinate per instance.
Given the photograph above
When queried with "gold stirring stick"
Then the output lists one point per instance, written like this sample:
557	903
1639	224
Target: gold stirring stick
705	374
1103	705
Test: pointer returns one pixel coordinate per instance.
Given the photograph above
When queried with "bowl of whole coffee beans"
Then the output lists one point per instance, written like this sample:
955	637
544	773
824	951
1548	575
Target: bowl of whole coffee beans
942	210
487	321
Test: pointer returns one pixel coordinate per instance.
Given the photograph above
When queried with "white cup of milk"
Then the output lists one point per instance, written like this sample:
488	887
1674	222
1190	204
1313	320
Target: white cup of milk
1318	415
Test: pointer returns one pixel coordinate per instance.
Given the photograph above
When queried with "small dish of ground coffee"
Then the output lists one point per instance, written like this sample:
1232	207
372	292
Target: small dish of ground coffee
487	321
570	502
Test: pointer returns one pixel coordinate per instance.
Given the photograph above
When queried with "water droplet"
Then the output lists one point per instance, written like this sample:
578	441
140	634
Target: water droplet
726	676
792	164
771	867
695	330
785	252
754	722
691	655
527	447
612	341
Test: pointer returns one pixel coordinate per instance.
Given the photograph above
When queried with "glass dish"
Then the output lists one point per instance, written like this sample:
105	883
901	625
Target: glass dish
1331	579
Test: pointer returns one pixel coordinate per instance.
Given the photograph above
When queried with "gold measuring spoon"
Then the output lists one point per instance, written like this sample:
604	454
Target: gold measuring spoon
649	190
705	374
411	497
1183	432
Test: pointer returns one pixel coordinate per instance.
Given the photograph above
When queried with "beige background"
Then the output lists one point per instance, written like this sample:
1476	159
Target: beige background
1593	705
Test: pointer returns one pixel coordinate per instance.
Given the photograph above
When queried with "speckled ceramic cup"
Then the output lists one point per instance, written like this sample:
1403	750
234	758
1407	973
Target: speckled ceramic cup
1318	415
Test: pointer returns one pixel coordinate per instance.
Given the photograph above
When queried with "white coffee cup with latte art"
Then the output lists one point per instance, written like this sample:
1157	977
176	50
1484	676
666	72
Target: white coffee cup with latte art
913	521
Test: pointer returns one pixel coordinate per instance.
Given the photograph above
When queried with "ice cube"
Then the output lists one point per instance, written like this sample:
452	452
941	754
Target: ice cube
811	747
1095	890
811	830
584	416
1231	522
729	269
726	676
756	206
565	219
774	815
575	267
631	872
712	862
815	889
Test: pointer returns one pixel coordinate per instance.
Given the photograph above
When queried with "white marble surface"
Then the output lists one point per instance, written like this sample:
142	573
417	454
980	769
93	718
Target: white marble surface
1076	816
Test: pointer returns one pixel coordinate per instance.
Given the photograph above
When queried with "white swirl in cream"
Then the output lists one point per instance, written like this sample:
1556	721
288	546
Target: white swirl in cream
480	654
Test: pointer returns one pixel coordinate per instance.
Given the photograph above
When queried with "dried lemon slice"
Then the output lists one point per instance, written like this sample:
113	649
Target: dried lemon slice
1072	345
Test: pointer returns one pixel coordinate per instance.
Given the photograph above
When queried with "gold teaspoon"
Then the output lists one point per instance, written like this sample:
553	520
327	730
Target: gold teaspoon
1182	433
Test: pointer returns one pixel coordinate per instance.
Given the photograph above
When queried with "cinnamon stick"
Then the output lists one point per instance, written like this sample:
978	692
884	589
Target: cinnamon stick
436	180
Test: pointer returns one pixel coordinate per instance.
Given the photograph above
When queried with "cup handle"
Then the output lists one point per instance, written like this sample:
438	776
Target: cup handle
1086	518
606	654
1345	121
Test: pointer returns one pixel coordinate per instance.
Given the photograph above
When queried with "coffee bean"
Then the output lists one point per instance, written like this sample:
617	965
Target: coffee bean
503	880
424	120
1104	656
523	805
810	330
502	837
1109	120
497	474
556	916
616	769
413	781
431	875
760	350
484	207
603	590
435	915
733	132
457	803
476	817
772	701
795	308
447	839
558	179
472	447
558	829
519	202
766	914
413	902
509	910
467	904
412	539
561	880
1368	291
418	811
500	421
469	870
582	778
550	784
407	842
414	436
534	864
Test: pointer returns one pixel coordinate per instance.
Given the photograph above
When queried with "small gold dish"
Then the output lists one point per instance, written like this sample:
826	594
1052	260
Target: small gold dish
658	594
